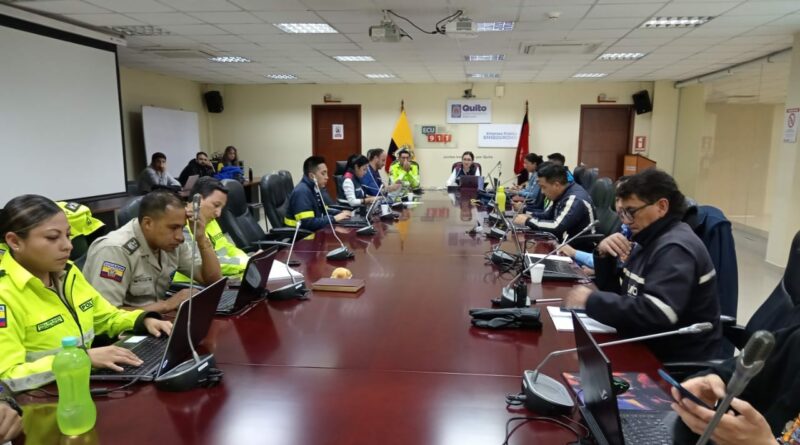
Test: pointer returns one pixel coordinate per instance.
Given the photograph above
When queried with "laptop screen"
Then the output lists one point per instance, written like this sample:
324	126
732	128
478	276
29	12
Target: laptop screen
258	268
595	372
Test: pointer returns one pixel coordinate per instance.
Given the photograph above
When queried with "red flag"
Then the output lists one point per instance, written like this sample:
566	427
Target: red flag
522	146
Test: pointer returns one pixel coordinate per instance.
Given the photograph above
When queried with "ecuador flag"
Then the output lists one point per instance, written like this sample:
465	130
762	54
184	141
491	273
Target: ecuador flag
401	138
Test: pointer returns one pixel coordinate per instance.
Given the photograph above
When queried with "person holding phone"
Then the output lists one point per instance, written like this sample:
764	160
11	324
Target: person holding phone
133	265
766	413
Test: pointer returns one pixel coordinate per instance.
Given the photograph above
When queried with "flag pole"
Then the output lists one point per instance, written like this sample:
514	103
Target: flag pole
402	105
526	107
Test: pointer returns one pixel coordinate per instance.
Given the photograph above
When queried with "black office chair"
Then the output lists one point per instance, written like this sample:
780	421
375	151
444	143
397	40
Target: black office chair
589	178
603	196
341	167
288	182
276	202
237	219
129	211
577	174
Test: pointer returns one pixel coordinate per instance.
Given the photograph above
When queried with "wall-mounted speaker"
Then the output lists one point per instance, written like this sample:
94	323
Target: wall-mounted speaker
213	101
642	103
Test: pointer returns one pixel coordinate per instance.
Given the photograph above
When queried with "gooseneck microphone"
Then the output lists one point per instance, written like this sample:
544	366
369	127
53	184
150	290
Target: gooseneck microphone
342	252
369	229
748	365
546	395
295	289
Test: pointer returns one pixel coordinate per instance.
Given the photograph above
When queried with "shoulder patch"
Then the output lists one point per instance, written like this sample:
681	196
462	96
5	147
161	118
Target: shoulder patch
72	206
47	324
86	305
112	271
3	316
131	245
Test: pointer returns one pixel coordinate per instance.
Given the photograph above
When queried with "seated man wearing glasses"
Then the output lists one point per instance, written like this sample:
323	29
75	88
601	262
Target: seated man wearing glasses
664	278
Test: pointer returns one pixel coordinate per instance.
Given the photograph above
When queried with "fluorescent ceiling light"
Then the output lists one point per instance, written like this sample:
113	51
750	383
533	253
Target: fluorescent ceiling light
485	57
620	56
589	75
139	30
483	75
307	28
494	26
282	76
380	76
229	59
676	22
354	58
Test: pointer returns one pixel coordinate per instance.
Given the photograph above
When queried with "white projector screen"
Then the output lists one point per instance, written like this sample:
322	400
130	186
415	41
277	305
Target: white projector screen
60	122
175	133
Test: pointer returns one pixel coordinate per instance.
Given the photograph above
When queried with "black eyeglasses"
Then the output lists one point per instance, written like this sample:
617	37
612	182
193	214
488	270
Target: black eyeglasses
627	213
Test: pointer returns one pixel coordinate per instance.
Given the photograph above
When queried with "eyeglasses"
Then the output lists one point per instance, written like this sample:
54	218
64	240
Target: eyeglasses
627	213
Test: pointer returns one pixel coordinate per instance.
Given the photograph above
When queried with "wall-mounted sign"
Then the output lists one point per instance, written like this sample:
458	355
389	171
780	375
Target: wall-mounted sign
435	136
338	131
469	111
498	135
640	144
790	125
428	129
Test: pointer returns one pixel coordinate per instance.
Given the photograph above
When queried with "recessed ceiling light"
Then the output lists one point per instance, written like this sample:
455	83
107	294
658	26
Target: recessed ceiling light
485	57
229	59
307	28
483	75
282	76
494	26
139	30
620	56
589	75
354	58
380	76
676	22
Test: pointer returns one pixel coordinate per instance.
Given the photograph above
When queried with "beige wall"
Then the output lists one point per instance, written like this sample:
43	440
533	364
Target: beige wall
270	124
661	147
140	88
688	140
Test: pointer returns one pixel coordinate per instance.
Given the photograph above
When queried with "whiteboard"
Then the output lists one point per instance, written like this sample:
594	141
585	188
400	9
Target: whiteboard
175	133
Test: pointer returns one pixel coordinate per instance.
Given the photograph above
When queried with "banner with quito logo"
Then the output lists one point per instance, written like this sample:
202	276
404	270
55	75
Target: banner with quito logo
469	111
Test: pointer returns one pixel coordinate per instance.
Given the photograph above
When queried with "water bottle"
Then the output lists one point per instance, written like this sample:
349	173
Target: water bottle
76	413
501	199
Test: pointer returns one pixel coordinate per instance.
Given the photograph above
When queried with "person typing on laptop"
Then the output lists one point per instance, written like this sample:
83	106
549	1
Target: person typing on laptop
305	203
213	198
466	167
571	207
44	297
666	279
133	265
357	166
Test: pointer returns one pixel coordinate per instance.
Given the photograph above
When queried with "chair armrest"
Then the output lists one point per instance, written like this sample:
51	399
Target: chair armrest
735	334
279	233
727	320
683	370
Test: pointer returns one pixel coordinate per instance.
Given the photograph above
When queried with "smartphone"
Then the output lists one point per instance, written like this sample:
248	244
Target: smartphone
684	392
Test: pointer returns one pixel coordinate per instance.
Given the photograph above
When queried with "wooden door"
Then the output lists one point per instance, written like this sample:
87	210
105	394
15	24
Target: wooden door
336	134
605	137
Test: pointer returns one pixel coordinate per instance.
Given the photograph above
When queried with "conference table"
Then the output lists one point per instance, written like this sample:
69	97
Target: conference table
396	363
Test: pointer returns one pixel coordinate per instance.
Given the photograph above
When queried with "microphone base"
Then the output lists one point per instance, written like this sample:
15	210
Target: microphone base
501	257
188	375
496	233
342	253
368	230
546	395
292	291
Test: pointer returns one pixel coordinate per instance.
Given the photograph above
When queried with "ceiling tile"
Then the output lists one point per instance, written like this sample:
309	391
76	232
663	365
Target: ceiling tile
131	6
201	5
63	6
105	19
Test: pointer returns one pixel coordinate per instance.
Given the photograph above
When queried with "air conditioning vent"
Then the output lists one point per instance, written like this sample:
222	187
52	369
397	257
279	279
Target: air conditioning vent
557	48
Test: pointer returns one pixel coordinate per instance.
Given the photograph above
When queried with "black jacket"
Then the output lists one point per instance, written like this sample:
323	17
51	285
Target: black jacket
668	282
194	168
567	215
773	392
305	205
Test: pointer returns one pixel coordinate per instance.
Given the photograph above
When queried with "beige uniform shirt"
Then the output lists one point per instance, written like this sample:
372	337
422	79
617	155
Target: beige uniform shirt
123	268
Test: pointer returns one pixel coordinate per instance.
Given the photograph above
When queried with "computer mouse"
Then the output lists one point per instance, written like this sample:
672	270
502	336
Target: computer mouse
619	385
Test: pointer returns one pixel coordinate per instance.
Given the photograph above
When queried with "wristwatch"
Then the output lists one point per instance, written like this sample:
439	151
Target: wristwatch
7	398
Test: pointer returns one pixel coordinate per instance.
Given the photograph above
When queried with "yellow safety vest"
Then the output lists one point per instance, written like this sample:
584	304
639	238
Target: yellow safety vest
81	221
34	319
232	260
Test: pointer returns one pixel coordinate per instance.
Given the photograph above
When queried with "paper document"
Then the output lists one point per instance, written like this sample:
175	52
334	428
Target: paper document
539	256
279	272
563	321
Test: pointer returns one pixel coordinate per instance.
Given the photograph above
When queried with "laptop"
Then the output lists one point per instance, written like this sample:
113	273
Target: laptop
187	188
471	182
161	354
607	422
252	286
356	220
557	268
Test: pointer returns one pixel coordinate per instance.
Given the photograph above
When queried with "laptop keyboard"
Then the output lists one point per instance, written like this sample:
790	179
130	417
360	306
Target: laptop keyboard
645	428
150	351
354	221
228	300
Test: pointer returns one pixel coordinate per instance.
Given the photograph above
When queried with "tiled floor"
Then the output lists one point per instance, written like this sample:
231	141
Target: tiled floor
757	279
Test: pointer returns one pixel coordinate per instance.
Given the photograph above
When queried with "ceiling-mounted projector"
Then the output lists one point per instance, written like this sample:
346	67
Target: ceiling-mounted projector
463	28
387	31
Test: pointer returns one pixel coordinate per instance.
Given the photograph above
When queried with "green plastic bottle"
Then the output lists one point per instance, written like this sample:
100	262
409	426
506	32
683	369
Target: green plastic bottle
76	413
501	199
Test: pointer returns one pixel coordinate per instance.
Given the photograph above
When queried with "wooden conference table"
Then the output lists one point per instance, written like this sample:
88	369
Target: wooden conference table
397	363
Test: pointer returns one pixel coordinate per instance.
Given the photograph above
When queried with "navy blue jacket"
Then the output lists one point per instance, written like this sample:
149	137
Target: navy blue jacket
371	182
667	283
567	215
305	206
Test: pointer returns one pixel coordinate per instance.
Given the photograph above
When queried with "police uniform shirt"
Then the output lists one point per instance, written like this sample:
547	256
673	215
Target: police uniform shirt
123	268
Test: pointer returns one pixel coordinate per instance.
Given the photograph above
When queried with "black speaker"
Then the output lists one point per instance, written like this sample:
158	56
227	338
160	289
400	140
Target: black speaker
214	101
641	101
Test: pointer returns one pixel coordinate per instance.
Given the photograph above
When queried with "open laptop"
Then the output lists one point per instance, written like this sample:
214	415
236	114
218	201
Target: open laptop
558	268
357	220
252	286
471	182
608	424
164	353
187	188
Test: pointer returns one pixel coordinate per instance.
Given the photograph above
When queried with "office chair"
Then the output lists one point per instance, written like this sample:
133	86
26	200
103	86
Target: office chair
288	182
341	167
276	202
458	164
238	221
603	196
129	211
577	174
589	178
